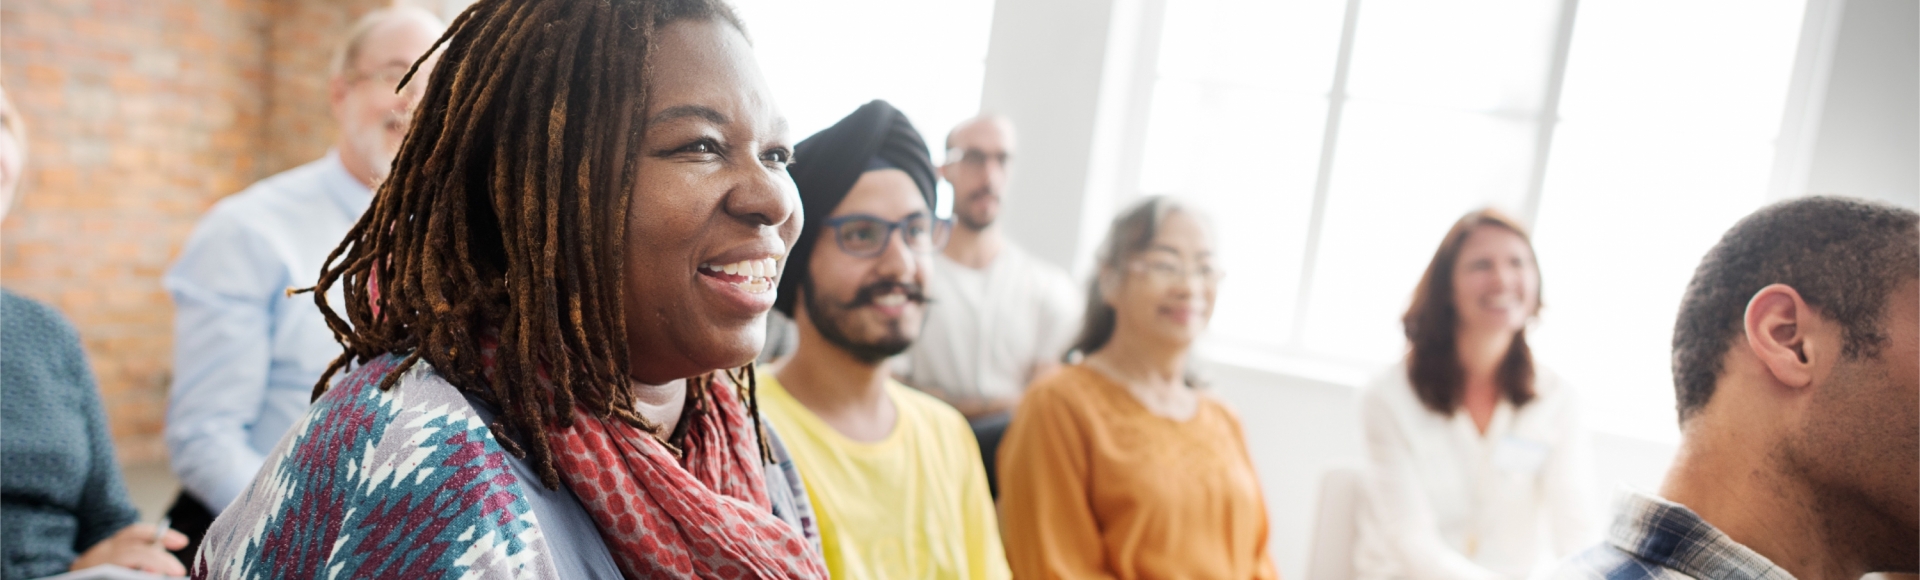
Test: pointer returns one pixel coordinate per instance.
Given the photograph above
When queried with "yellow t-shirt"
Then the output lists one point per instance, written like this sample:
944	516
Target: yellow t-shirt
913	505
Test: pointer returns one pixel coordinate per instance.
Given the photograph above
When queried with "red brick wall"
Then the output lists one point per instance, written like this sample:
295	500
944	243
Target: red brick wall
301	50
140	115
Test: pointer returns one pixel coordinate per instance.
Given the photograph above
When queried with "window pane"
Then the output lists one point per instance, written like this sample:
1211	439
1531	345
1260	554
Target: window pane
1472	55
1255	175
1671	109
825	58
1236	122
1289	46
1402	175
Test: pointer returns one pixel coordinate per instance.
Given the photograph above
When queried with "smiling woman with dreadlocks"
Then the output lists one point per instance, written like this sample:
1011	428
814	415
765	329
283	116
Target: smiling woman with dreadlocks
545	308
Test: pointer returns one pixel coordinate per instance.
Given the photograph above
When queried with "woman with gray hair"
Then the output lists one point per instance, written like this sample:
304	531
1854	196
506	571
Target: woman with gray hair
1120	466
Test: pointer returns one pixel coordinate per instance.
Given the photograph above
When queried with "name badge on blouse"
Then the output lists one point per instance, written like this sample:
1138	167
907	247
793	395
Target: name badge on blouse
1520	456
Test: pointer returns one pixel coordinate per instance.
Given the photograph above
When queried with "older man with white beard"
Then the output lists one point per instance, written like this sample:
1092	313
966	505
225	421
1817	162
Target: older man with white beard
246	354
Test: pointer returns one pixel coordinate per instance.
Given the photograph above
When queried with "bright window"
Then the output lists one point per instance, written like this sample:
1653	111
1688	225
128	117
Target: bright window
1335	148
1667	139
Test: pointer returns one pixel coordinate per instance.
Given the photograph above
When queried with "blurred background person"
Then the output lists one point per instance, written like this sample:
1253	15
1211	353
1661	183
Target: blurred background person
574	370
1000	317
1477	456
1121	466
63	505
1794	358
893	474
246	353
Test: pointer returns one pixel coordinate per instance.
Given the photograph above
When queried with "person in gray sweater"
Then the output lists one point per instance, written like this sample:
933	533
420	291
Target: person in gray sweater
63	505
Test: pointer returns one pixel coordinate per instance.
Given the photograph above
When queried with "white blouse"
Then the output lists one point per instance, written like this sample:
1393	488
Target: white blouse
1446	502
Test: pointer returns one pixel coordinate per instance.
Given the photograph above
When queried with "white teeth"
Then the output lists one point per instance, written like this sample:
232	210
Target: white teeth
890	300
759	273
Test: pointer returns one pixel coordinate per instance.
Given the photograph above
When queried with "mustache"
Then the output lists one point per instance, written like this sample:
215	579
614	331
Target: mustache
397	119
915	293
980	193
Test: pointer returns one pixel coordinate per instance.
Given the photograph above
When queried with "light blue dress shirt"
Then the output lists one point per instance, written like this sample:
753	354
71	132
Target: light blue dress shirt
245	355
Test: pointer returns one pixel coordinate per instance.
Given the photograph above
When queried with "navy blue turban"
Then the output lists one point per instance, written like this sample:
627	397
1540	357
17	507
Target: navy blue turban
826	165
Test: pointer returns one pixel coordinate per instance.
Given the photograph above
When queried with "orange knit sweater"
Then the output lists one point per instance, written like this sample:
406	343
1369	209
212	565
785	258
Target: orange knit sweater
1092	485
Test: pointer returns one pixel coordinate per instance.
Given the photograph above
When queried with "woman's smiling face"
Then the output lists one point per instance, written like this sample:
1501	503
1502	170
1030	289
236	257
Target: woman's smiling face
1496	287
713	211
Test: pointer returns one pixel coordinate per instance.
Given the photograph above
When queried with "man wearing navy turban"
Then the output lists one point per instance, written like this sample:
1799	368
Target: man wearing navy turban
894	475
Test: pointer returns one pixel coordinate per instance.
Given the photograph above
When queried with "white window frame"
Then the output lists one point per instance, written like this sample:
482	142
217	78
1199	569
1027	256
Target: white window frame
1793	152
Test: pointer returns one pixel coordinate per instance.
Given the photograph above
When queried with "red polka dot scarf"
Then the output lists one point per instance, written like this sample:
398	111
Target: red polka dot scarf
708	516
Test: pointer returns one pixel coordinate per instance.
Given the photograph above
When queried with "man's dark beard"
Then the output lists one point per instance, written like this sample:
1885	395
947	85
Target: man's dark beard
829	319
967	219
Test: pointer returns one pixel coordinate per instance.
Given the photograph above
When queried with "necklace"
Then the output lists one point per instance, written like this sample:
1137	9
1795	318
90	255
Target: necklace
1178	403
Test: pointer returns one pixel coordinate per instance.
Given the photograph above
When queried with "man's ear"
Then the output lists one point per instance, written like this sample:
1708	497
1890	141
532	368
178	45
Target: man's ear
337	88
1779	325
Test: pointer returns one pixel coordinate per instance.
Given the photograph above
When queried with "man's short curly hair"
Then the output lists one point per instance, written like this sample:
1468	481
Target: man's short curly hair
1844	256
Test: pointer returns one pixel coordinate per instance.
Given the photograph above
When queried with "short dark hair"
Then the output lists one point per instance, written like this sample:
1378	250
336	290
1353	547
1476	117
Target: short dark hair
1844	256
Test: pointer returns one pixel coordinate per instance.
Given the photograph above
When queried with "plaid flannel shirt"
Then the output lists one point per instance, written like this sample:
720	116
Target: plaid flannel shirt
1656	539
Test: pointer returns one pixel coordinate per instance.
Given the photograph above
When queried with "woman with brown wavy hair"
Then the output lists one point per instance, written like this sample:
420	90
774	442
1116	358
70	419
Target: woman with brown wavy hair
1474	448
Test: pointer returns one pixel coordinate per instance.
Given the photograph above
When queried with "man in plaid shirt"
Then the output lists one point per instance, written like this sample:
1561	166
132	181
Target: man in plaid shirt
1794	362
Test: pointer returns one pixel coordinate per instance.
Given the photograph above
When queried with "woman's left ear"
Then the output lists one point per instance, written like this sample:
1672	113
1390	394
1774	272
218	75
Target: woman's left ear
1110	279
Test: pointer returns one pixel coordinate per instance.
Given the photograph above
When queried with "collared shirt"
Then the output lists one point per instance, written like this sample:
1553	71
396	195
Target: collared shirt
1656	539
246	355
1446	501
988	330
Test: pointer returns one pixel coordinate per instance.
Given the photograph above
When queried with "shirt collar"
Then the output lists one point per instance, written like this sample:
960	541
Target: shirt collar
1498	426
1669	534
345	190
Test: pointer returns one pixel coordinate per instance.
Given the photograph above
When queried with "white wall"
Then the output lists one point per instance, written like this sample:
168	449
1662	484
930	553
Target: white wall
1868	138
1063	71
1044	64
1296	429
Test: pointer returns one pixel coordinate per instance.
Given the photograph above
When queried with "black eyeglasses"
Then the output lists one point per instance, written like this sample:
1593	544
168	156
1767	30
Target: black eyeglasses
866	236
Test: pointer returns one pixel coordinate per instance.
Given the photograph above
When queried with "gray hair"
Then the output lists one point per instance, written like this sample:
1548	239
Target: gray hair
1132	232
350	46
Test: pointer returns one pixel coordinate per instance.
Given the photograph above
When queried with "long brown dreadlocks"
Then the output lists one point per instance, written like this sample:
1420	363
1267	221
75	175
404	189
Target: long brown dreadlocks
503	221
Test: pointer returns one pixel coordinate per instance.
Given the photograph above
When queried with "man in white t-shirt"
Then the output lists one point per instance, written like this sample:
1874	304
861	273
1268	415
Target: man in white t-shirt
1000	317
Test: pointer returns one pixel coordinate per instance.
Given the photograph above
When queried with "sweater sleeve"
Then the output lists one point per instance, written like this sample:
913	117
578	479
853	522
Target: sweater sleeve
104	506
1263	567
1047	516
